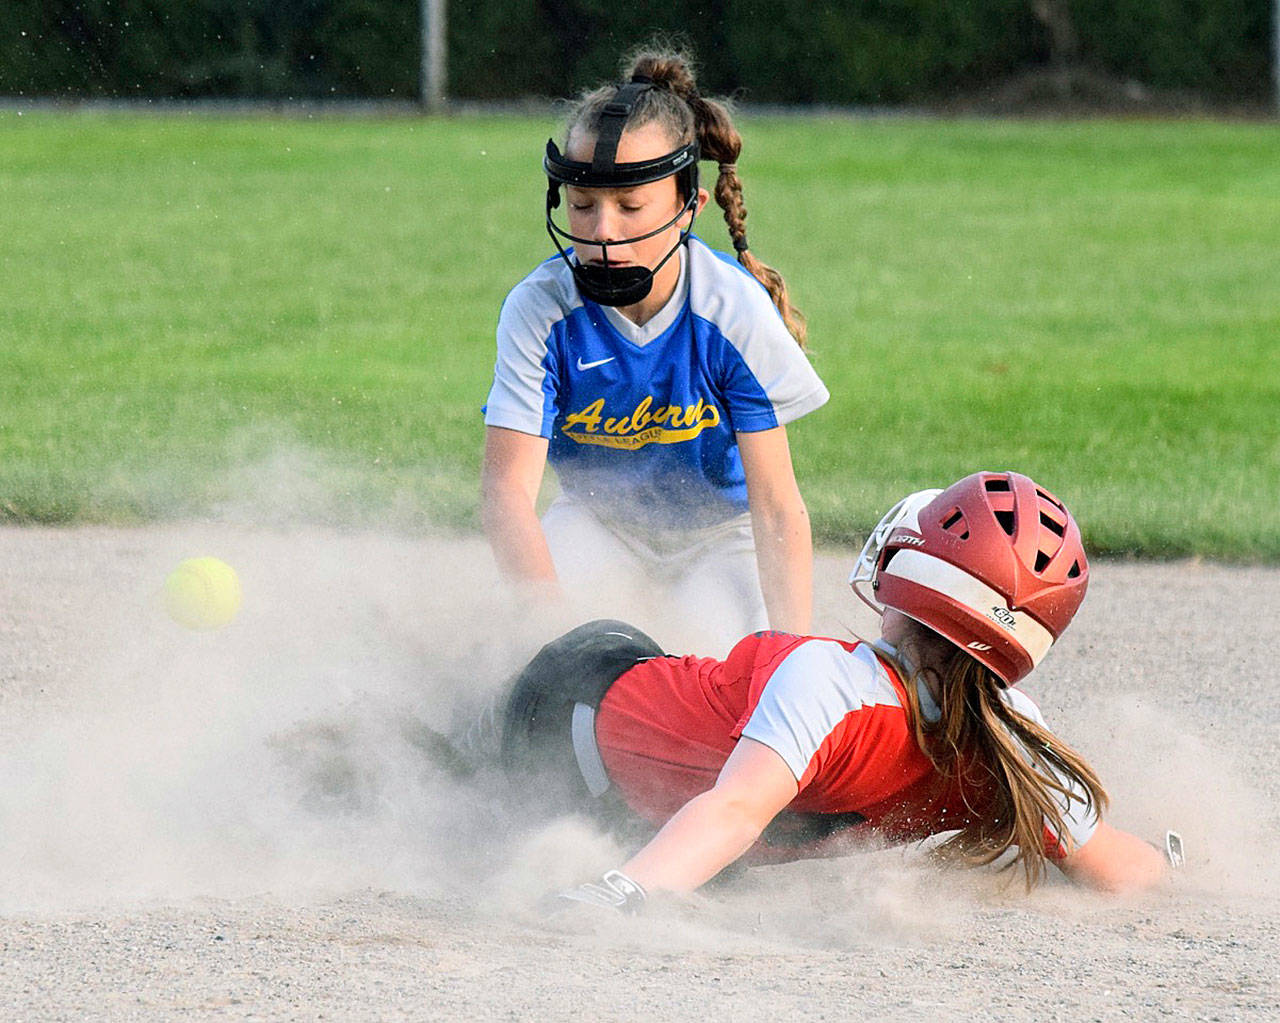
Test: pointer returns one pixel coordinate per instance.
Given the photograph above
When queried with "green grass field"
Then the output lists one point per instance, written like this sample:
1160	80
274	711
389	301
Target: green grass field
199	312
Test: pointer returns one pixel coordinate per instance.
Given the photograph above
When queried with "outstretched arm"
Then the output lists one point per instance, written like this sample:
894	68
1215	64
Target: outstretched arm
714	829
1115	861
780	522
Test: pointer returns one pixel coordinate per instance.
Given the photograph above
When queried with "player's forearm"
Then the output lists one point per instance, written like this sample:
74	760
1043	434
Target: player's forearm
515	535
1116	861
708	834
784	556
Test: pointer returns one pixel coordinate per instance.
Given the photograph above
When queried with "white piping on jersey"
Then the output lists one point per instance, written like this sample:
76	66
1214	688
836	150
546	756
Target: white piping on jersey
943	577
640	334
544	298
816	687
725	294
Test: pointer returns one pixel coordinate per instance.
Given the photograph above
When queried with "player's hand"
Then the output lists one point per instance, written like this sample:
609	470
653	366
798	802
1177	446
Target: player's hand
613	891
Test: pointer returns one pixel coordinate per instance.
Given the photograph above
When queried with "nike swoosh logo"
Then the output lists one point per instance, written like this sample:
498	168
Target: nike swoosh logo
592	365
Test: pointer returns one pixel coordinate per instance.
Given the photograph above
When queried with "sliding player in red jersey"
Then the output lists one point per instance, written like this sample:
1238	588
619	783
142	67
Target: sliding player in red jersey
794	744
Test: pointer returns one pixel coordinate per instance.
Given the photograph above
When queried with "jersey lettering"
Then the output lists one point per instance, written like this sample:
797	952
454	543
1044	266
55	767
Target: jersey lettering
682	423
716	361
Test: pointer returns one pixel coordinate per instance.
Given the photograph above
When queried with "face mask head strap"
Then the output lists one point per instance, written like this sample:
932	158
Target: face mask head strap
612	120
563	171
603	170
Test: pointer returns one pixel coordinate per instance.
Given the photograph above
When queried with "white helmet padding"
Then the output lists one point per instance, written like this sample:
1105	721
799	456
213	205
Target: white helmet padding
957	585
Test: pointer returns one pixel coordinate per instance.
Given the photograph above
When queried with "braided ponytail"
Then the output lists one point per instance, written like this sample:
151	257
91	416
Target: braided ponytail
719	140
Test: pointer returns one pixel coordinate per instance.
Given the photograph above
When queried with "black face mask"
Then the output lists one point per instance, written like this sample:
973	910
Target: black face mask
603	283
614	285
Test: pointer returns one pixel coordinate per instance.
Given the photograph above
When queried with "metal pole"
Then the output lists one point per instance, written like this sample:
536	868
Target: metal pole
432	75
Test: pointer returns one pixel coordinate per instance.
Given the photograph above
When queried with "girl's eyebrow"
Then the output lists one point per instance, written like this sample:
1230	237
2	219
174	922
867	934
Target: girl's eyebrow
623	191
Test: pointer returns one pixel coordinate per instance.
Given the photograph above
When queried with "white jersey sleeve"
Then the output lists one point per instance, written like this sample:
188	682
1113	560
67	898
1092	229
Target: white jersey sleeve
1080	818
815	687
524	394
767	380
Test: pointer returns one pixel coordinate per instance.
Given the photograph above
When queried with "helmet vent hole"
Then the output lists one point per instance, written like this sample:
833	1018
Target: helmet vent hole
1042	561
1006	520
997	486
1051	500
955	523
1075	570
1055	527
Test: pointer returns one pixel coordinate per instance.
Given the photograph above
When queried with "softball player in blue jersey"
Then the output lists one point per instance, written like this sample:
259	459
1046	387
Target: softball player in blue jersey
655	374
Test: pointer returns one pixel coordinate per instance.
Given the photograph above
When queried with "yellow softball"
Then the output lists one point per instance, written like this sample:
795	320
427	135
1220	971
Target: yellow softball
202	593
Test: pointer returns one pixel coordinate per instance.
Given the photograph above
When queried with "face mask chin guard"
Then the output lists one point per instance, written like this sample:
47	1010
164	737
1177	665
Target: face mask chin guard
608	284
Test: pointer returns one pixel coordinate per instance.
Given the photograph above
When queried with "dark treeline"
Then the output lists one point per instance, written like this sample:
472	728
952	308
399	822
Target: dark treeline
768	51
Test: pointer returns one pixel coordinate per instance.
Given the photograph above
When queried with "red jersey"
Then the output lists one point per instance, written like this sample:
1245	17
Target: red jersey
831	709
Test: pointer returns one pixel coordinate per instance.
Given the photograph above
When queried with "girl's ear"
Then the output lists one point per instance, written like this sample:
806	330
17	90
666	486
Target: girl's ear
704	197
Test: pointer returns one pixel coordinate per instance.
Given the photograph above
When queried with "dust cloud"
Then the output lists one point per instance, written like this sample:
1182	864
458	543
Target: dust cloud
276	754
284	756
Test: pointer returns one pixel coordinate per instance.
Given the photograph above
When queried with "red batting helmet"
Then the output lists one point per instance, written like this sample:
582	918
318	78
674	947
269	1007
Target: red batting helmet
994	563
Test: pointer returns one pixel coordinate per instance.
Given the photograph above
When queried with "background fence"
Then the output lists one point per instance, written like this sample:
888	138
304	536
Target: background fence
772	51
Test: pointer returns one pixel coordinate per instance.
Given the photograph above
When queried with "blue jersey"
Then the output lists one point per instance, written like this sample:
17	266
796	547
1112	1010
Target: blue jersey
641	420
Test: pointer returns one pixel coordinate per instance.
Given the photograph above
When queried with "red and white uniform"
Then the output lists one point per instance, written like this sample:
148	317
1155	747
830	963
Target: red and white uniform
832	710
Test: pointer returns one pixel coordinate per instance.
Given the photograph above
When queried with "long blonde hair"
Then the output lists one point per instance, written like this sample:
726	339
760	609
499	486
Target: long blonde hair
980	741
678	107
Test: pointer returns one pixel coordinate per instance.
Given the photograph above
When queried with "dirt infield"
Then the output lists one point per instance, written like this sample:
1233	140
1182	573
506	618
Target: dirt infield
243	825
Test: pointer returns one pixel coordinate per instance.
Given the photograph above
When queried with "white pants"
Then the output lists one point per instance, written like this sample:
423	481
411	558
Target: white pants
694	590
